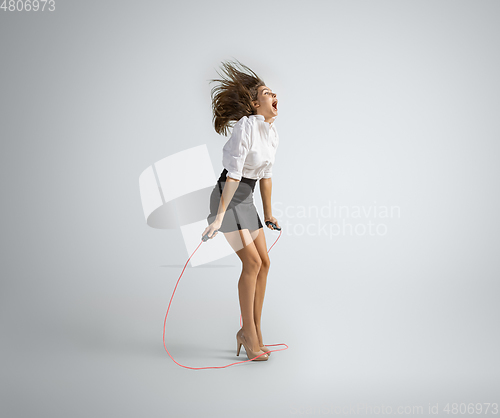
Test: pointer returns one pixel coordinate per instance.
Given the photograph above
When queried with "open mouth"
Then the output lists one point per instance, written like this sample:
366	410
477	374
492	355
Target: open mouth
275	105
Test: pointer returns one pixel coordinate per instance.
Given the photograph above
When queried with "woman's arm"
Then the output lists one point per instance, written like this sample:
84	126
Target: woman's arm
266	187
227	194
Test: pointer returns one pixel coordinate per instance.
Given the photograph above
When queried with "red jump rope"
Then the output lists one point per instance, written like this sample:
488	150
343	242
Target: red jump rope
205	238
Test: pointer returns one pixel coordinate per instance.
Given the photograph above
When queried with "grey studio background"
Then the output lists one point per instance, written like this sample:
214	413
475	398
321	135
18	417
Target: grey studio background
382	104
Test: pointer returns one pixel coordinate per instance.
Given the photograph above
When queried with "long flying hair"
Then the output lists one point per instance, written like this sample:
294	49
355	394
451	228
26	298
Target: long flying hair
232	98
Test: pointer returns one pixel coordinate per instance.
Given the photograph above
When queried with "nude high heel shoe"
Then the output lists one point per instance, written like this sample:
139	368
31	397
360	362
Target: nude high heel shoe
252	355
265	350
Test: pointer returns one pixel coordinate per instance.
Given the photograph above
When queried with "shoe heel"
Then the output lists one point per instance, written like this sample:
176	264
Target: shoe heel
238	347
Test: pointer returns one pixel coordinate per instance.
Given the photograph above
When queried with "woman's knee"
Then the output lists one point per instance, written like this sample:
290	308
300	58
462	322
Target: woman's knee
265	263
252	263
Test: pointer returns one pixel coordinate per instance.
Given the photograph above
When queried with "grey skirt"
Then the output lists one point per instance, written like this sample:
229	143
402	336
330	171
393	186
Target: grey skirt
241	212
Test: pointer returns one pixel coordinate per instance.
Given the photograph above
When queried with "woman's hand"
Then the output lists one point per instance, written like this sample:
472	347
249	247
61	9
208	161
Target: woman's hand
211	229
273	220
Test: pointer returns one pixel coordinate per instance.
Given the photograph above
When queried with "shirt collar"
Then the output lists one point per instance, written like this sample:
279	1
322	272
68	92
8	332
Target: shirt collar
262	118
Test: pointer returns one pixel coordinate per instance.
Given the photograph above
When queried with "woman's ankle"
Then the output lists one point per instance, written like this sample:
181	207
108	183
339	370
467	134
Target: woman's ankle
251	338
259	336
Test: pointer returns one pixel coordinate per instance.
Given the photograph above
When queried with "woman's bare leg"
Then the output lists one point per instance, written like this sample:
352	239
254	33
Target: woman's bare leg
260	287
242	243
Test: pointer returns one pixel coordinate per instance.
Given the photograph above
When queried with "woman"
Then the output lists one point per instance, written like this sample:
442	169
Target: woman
248	156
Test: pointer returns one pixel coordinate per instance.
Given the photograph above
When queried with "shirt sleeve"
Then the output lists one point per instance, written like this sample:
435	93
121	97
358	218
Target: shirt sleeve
236	149
268	172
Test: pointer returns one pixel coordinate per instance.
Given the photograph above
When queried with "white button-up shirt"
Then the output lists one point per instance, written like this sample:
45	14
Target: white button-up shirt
251	149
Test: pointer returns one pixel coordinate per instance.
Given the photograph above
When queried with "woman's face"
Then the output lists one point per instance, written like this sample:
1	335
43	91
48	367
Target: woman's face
266	103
